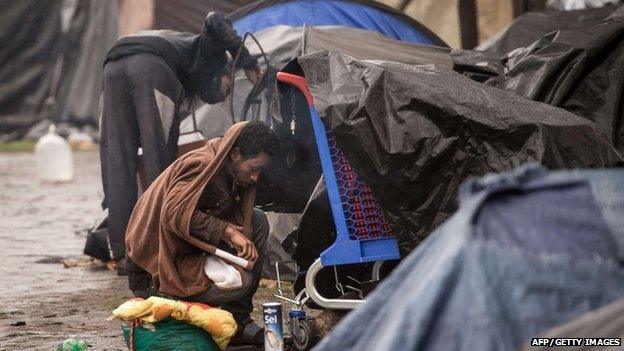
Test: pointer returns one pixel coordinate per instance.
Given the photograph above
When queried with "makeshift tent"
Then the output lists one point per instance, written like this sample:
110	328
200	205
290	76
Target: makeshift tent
267	19
526	251
283	43
415	132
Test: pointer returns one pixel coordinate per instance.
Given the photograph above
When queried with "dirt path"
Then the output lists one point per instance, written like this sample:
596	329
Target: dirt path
40	224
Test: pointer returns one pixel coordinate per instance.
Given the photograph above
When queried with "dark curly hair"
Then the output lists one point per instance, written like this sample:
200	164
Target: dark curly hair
255	138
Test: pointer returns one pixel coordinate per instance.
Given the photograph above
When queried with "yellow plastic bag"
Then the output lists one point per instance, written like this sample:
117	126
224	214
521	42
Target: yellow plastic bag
218	323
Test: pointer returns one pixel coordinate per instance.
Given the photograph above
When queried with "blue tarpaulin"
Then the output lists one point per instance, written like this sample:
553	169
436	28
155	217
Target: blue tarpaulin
334	12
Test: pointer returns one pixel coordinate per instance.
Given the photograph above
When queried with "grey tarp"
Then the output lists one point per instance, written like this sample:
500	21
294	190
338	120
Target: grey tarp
416	132
526	251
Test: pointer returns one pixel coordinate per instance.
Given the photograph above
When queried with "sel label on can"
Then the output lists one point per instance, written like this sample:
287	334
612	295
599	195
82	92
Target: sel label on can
273	331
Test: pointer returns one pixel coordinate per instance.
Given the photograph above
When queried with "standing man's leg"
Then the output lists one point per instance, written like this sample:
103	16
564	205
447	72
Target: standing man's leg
119	141
157	96
139	107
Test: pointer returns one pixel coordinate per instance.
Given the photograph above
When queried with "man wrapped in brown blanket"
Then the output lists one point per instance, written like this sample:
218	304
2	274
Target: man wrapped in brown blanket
201	202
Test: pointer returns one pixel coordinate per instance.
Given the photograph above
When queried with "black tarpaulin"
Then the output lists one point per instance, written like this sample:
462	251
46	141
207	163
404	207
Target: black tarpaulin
416	132
578	69
531	26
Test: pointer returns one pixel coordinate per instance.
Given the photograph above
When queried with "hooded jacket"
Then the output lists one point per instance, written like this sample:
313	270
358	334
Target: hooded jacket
196	59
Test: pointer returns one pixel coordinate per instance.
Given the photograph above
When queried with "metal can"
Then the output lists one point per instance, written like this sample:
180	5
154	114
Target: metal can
273	331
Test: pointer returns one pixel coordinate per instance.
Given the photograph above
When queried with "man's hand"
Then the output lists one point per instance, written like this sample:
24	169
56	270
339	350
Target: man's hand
234	237
253	74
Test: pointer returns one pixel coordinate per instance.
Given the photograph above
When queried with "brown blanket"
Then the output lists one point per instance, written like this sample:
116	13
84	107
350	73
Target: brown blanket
158	238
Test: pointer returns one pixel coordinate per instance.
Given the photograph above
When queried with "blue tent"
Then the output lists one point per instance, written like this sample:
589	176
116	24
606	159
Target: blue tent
362	14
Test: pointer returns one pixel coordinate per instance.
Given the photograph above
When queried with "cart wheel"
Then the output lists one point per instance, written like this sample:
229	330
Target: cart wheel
303	339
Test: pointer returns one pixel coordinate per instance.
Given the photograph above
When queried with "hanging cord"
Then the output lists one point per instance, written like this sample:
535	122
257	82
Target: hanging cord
233	73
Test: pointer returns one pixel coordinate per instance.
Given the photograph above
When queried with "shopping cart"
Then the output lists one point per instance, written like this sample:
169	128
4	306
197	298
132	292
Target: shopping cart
363	234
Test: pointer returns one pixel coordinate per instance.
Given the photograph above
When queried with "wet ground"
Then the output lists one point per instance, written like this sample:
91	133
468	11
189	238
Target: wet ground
41	225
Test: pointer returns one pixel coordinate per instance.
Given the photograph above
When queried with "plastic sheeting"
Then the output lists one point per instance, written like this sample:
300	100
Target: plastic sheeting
526	251
416	132
571	60
530	26
577	69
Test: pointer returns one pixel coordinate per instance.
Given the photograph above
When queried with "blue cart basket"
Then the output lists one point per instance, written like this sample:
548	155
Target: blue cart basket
362	231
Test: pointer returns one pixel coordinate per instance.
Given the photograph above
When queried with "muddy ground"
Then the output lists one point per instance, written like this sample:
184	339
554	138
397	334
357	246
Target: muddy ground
42	302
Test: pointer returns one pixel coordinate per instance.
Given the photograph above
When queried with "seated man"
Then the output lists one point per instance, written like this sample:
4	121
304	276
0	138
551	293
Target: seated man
204	200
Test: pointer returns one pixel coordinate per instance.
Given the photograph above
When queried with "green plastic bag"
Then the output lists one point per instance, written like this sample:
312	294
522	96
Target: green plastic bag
170	335
73	345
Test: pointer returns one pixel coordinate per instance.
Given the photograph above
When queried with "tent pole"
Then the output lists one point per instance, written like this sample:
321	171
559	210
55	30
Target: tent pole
468	23
403	5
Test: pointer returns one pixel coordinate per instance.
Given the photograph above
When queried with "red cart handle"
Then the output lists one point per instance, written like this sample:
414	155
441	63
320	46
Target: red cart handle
299	82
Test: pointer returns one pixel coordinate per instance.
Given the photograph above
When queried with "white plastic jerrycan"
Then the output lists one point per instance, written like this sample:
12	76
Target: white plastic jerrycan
54	158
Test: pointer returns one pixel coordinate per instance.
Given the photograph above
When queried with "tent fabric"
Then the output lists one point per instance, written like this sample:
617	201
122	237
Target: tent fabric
361	14
100	33
416	132
511	263
59	51
29	33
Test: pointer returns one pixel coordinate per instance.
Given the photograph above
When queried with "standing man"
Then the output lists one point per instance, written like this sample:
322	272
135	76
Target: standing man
201	203
147	76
